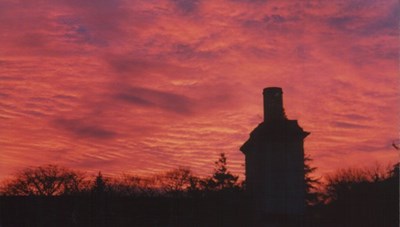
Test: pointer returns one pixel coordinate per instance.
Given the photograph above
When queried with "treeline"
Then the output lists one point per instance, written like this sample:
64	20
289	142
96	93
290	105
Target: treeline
51	195
53	180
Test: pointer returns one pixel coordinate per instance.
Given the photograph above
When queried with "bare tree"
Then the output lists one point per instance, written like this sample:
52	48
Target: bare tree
343	181
176	181
132	185
46	180
359	195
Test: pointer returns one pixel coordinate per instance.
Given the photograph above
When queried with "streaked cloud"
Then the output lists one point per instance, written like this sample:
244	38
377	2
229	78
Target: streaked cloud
143	86
81	129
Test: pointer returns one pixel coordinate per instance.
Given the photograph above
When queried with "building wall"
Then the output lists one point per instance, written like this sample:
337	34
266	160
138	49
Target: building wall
275	177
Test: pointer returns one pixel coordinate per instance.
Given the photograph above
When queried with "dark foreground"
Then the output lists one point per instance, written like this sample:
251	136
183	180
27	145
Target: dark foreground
163	211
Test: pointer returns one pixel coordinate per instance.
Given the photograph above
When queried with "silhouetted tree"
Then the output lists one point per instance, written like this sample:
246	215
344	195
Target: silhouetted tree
363	197
345	181
222	179
99	186
132	185
394	173
176	181
313	194
196	186
47	180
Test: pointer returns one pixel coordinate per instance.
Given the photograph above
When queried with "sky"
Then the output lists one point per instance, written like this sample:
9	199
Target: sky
141	87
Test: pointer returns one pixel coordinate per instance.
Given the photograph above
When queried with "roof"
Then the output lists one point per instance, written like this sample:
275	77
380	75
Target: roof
276	131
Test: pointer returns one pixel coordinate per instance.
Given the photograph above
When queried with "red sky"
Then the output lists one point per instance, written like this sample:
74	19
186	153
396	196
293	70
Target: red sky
146	86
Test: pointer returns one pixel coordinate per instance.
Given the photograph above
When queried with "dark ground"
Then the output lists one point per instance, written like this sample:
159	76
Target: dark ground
105	211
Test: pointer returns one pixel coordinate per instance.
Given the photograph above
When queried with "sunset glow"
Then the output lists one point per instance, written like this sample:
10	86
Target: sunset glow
146	86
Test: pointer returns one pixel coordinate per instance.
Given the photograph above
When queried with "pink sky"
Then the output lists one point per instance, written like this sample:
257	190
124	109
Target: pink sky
146	86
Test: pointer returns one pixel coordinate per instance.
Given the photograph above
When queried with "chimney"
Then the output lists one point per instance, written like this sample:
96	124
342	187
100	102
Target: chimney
273	104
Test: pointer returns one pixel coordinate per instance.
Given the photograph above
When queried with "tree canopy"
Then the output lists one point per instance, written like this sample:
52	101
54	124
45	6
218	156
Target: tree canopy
46	180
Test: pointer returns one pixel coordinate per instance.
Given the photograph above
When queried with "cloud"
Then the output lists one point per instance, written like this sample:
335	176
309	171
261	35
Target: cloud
187	6
124	64
357	19
353	117
385	22
274	18
153	98
81	129
148	84
9	78
93	162
342	22
258	2
192	52
348	125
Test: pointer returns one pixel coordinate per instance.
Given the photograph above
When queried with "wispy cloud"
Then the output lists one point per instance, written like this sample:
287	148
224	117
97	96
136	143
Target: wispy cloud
81	129
144	85
154	98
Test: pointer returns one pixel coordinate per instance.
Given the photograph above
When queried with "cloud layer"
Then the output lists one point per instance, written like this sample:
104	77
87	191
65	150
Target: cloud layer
144	86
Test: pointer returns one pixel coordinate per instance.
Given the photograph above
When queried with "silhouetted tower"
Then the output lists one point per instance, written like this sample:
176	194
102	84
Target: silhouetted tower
275	160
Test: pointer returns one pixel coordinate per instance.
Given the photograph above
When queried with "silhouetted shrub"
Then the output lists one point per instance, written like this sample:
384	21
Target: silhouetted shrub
363	197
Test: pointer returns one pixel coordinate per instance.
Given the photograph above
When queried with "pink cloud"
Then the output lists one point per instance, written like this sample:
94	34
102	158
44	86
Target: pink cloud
143	86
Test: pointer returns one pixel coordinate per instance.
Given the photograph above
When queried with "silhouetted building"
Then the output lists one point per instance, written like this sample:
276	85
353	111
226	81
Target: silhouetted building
275	161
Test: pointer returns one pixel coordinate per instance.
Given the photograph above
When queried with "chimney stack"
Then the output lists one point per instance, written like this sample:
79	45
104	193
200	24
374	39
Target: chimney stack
274	156
273	104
